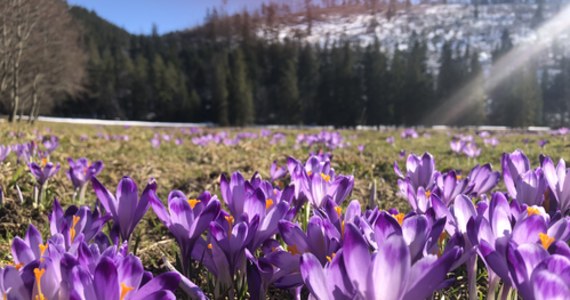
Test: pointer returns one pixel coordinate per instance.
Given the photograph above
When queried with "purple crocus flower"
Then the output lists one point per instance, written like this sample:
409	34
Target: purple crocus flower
514	164
471	150
483	179
493	142
75	221
542	143
123	280
409	133
457	145
43	171
277	172
530	187
450	185
390	140
50	143
558	181
186	219
419	170
4	151
81	171
385	274
126	208
360	148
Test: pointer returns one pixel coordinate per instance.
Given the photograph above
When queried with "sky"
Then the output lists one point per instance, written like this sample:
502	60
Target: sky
137	16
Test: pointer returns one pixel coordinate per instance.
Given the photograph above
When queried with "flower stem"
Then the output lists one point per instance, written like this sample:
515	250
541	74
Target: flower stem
472	277
493	284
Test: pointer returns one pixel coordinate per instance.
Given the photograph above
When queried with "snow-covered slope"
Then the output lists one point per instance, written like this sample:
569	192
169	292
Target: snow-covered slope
456	23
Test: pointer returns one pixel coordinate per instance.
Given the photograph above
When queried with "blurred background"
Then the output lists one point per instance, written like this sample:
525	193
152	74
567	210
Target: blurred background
311	62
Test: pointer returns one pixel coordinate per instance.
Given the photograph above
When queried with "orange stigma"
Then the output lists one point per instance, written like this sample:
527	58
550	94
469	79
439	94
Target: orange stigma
125	289
43	248
545	240
309	173
44	162
338	211
38	273
293	250
532	211
400	218
326	177
210	246
268	203
193	202
428	193
72	232
342	228
330	258
458	177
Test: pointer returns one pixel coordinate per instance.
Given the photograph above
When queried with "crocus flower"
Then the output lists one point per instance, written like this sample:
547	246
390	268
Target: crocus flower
186	219
75	221
390	140
51	143
385	274
456	145
530	187
542	143
126	208
277	172
471	150
80	171
450	185
514	164
558	181
4	151
419	170
122	280
483	179
43	171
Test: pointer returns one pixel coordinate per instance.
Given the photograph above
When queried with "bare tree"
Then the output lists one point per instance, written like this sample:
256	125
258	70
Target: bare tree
41	60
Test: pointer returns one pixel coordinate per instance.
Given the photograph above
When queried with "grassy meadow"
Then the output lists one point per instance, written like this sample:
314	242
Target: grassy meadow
178	163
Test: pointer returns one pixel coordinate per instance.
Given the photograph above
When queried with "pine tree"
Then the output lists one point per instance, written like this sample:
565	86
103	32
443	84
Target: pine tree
308	82
240	97
219	89
378	110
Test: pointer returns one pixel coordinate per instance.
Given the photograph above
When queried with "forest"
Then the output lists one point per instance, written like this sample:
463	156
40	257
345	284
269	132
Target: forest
222	72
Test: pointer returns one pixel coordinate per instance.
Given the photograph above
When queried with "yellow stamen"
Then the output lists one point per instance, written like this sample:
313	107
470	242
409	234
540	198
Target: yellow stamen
193	202
43	248
210	246
545	240
44	162
326	177
38	273
125	290
342	228
400	218
532	211
268	203
309	173
293	250
428	193
230	220
458	177
338	211
18	266
72	232
330	258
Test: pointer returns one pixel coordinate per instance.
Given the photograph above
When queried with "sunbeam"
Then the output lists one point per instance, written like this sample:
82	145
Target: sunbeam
457	104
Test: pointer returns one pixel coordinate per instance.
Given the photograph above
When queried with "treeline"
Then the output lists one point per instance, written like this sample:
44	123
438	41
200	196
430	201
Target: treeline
222	72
